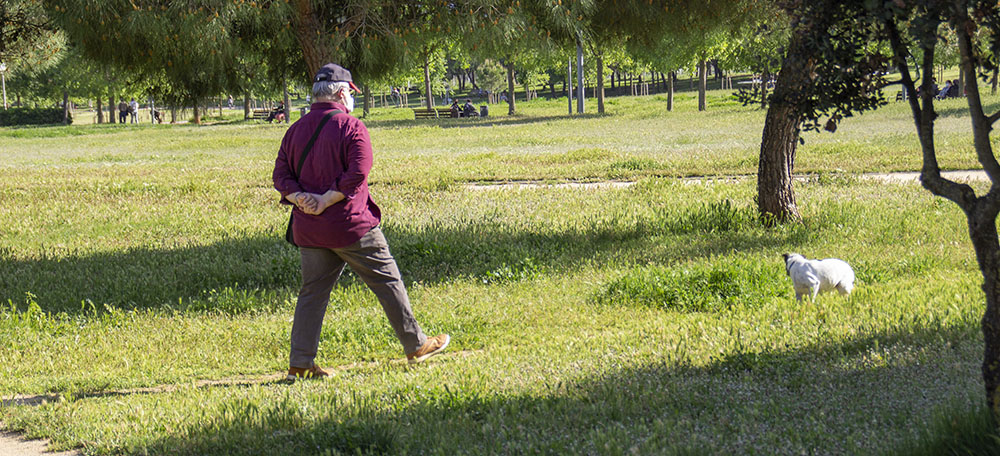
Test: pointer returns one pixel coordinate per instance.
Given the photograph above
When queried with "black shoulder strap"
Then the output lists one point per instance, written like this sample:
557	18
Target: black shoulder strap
309	145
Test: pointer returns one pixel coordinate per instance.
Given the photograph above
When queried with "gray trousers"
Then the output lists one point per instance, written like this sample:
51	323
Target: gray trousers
370	259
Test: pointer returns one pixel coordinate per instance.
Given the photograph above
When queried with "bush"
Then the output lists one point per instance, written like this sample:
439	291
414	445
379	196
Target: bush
32	116
697	287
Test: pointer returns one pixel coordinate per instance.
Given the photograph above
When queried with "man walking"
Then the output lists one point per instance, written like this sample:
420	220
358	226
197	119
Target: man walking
322	168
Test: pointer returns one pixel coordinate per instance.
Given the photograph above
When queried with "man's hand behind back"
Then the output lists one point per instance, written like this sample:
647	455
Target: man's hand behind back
314	204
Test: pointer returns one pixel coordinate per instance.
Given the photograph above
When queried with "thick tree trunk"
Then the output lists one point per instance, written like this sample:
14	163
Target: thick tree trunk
173	114
100	111
197	114
316	52
600	83
510	88
670	90
702	83
246	106
111	109
775	198
993	84
427	79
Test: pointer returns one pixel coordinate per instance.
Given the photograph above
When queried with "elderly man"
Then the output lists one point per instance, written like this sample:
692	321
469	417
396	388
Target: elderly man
322	168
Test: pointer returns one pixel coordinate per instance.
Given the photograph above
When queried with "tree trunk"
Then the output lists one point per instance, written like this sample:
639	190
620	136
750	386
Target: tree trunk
961	81
670	90
775	197
173	114
197	114
100	111
510	88
367	105
65	107
246	106
288	106
763	89
702	83
569	85
600	83
993	85
316	52
111	108
427	79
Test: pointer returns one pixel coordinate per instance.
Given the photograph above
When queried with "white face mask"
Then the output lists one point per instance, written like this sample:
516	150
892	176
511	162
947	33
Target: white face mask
348	101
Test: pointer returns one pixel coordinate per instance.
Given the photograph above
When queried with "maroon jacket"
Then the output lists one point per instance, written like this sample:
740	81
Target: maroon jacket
339	160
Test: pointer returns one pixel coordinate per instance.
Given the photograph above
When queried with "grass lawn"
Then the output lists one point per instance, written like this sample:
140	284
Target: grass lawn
137	262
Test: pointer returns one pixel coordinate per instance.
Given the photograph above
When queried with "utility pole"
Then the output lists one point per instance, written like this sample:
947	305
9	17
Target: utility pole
579	74
569	85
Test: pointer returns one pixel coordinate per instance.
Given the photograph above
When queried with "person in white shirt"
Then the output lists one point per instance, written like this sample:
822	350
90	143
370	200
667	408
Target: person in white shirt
133	111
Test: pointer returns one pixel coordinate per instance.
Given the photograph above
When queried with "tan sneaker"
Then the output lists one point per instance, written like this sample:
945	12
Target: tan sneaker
313	372
433	346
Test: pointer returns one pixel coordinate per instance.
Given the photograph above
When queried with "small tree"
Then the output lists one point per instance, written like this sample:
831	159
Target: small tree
820	78
976	25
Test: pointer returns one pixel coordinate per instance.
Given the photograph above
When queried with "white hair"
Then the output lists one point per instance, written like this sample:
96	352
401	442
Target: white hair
328	89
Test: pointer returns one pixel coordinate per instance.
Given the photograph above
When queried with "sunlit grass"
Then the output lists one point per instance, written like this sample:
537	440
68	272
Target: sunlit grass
649	319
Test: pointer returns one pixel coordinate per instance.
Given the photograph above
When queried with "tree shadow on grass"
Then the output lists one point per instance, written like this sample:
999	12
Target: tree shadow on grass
821	399
481	250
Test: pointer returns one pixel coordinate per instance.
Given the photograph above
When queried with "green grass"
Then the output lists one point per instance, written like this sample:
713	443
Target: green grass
652	319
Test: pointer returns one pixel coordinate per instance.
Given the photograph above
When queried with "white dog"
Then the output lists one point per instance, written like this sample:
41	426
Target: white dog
810	277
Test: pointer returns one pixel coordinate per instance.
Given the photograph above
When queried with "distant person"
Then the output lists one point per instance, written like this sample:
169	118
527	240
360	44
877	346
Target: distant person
468	109
944	90
133	111
336	223
230	102
953	90
456	111
277	113
396	96
122	111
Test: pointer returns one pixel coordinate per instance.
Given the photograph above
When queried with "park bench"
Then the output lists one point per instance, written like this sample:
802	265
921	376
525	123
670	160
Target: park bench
260	114
427	113
899	96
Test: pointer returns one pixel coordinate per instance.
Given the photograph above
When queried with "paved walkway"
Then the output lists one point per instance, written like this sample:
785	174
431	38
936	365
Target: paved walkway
961	176
11	444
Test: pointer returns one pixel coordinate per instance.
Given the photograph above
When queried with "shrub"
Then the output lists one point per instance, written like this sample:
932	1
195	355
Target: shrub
698	288
32	116
713	217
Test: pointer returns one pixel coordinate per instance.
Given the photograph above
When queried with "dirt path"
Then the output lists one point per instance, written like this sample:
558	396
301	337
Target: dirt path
11	444
960	176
